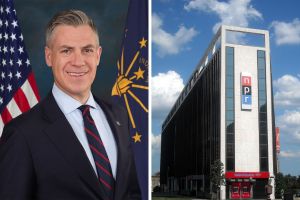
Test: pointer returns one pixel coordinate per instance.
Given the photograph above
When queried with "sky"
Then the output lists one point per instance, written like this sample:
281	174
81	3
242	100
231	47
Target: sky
183	29
109	17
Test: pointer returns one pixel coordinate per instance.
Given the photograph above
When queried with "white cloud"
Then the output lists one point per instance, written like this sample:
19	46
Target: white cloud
167	43
287	32
166	87
289	124
290	154
233	12
155	143
287	95
287	91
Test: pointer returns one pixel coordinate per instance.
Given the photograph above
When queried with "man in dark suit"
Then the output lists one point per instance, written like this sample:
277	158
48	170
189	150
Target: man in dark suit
71	145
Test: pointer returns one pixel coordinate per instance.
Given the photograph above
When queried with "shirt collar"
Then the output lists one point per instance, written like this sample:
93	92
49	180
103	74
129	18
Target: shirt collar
68	104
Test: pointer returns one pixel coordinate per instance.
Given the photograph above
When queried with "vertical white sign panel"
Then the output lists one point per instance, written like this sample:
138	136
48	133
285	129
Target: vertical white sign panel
246	93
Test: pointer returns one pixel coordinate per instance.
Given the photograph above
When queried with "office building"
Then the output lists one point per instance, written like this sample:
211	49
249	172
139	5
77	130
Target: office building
225	112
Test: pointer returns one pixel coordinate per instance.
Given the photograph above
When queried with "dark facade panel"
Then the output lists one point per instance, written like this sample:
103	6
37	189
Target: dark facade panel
229	109
191	139
262	103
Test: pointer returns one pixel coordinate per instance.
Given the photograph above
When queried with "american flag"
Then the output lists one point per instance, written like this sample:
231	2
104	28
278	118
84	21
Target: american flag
18	90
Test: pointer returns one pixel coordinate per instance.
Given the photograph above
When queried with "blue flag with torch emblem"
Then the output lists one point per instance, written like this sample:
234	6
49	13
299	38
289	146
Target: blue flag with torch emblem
131	87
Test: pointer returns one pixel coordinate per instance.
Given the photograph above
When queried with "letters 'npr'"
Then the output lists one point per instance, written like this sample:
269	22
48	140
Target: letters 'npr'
246	91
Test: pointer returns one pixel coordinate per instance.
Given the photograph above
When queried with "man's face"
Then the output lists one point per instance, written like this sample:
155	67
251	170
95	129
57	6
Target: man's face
73	53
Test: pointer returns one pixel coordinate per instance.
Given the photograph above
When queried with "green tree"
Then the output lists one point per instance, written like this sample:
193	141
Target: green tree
217	177
298	182
279	185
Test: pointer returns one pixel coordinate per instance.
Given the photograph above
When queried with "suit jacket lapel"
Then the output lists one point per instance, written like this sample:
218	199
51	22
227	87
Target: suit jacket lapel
62	135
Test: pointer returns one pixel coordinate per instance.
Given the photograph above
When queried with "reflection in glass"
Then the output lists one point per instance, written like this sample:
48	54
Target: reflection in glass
229	63
261	74
230	150
263	127
261	63
230	138
264	164
262	102
229	109
229	115
229	103
242	38
263	108
263	138
261	54
229	82
263	116
230	164
261	84
262	94
263	150
229	92
230	127
229	50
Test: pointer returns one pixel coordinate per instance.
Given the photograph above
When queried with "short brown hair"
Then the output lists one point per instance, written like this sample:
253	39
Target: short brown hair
72	18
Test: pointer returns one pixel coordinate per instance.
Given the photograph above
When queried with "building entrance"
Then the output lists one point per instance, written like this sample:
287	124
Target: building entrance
241	190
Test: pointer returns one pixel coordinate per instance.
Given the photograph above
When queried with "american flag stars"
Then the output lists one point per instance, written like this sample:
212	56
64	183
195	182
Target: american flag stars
18	90
11	50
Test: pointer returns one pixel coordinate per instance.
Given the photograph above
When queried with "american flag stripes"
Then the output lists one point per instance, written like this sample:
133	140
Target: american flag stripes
18	89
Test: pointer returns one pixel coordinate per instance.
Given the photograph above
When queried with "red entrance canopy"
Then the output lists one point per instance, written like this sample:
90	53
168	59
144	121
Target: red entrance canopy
255	175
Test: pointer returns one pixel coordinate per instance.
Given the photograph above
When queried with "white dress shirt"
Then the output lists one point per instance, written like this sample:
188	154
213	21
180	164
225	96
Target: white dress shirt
69	106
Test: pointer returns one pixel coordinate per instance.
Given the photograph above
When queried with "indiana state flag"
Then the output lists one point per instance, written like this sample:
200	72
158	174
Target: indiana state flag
131	87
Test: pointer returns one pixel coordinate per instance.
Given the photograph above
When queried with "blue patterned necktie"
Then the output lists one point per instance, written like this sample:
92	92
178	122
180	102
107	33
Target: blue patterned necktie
101	159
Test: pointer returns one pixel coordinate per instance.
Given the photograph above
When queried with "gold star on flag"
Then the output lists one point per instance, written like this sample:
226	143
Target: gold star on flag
139	74
137	137
143	42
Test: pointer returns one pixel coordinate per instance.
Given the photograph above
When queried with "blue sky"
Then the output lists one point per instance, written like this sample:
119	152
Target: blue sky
182	30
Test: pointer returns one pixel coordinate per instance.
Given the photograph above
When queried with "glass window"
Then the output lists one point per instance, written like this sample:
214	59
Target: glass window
261	84
264	164
246	189
230	138
230	164
244	38
230	150
263	116
229	81
229	50
263	127
260	54
235	189
229	63
229	92
229	103
262	94
261	74
263	108
264	150
262	102
229	115
229	108
263	139
229	123
230	128
261	63
229	71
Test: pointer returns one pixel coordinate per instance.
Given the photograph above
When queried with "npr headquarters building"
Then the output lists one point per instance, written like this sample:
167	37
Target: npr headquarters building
225	112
